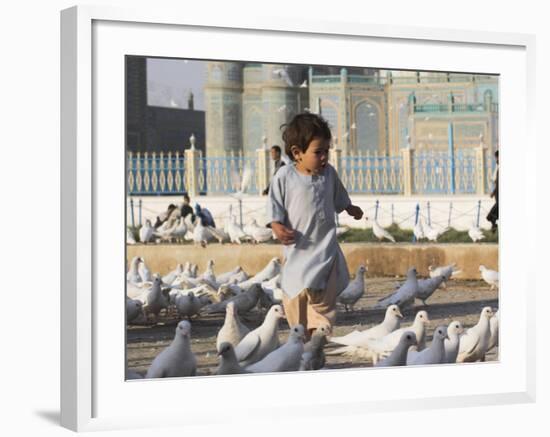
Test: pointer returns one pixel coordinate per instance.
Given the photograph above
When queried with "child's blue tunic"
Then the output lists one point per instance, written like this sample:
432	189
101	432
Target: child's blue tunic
307	204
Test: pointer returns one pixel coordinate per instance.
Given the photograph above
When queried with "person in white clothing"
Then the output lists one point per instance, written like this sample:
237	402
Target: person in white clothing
303	199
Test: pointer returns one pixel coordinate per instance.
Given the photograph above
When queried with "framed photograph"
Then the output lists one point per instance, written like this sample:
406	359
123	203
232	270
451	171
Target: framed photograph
168	133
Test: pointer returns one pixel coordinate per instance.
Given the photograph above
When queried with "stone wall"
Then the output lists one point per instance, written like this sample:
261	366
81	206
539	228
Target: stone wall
383	259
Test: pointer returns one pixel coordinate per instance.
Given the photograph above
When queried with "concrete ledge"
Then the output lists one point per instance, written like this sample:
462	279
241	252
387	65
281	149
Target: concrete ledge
383	259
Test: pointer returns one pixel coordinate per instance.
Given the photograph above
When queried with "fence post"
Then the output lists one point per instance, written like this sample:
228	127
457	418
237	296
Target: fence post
132	213
450	212
335	156
376	210
480	162
451	157
192	157
139	210
417	214
429	215
407	154
478	212
262	169
392	216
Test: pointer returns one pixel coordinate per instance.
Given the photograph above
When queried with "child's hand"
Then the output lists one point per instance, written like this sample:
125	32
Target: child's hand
355	212
283	234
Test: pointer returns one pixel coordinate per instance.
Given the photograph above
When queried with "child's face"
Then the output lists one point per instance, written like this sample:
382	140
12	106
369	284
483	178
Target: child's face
315	158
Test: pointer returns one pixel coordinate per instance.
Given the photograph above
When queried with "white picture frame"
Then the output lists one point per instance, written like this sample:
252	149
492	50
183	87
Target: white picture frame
93	393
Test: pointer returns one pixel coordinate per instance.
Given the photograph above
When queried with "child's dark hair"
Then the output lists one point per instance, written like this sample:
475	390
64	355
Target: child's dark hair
302	129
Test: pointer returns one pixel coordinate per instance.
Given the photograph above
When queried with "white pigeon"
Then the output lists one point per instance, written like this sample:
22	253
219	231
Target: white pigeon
209	275
146	232
475	233
446	271
187	305
273	268
233	330
261	341
355	289
170	277
381	233
489	276
404	295
258	233
239	277
391	322
384	346
236	234
181	229
454	331
130	237
144	272
399	355
155	299
286	358
177	359
418	230
475	341
133	309
435	354
273	290
228	360
493	326
133	273
431	233
167	233
201	234
224	278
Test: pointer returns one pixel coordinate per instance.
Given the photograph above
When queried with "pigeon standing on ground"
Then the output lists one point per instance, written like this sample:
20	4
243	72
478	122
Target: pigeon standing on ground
493	326
229	365
146	232
399	355
130	237
261	341
209	275
454	331
144	272
384	346
404	296
243	302
418	230
427	287
233	330
446	271
357	339
177	359
171	276
313	357
273	268
224	277
155	299
133	309
133	273
286	358
475	341
433	234
475	233
355	289
489	276
258	233
236	234
435	354
381	233
187	304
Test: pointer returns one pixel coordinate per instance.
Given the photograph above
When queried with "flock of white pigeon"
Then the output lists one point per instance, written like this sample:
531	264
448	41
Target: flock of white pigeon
187	295
179	229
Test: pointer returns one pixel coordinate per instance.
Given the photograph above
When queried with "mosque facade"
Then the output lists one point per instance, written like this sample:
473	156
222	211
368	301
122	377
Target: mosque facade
368	110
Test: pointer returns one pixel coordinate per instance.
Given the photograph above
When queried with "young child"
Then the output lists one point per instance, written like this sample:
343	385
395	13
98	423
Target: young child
303	199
